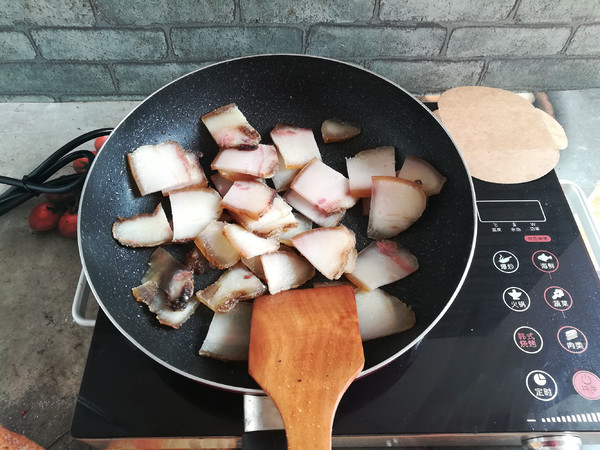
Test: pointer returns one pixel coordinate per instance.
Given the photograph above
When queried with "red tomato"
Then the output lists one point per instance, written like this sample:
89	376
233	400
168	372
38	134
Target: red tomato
81	165
67	224
43	217
60	198
99	142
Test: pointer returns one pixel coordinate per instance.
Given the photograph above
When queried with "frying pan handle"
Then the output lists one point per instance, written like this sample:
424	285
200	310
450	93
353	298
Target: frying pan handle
82	294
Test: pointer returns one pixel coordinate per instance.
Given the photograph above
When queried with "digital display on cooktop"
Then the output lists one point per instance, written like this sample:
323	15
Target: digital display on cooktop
510	211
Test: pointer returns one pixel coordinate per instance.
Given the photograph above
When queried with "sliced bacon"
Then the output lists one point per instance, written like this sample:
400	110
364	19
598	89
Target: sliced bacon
165	167
143	230
234	285
259	163
309	210
380	161
395	205
228	336
247	243
420	171
215	247
330	250
284	176
285	270
381	314
381	262
334	130
230	128
191	210
324	187
156	299
278	219
296	145
174	278
249	198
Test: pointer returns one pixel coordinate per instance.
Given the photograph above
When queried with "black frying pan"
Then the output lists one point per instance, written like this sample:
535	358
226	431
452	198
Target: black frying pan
295	89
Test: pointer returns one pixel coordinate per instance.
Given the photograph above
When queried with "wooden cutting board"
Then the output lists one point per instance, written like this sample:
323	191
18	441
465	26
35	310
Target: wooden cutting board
305	350
502	136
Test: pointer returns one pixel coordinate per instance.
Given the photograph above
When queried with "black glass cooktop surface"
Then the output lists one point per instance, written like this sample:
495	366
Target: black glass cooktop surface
517	352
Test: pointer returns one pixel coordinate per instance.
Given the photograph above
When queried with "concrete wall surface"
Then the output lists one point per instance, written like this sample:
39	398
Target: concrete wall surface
78	50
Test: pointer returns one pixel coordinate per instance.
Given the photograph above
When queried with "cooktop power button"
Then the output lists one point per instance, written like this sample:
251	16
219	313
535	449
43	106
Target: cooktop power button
587	384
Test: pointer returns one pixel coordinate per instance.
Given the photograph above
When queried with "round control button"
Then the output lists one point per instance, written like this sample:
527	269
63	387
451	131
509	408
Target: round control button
516	299
528	340
587	385
572	339
505	261
558	298
541	385
545	261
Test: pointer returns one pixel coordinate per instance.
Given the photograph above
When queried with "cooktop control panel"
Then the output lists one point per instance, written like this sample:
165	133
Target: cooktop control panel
519	350
547	283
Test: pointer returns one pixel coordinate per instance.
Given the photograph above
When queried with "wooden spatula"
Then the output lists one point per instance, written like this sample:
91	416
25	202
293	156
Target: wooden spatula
305	350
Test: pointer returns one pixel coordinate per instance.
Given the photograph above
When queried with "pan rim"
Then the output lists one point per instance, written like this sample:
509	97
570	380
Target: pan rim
364	373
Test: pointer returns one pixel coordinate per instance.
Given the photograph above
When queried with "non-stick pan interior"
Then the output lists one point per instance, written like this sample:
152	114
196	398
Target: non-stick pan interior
293	89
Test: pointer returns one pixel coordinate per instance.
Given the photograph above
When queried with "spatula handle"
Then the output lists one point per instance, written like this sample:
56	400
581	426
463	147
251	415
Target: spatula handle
309	429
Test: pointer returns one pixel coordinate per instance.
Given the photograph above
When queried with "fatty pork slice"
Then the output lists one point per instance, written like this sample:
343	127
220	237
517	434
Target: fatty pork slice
395	205
167	289
380	161
309	210
143	230
259	163
381	314
278	219
420	171
296	145
230	128
331	250
334	130
176	279
247	243
228	336
191	210
324	187
285	270
165	167
215	247
381	262
249	198
156	299
221	183
304	224
235	284
284	176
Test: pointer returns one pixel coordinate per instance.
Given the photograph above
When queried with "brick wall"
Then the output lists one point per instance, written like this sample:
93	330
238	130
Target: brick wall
66	50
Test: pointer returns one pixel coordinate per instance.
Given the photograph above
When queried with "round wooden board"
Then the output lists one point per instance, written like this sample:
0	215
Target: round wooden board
501	135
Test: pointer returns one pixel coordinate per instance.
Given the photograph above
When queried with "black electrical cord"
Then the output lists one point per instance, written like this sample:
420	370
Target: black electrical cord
35	183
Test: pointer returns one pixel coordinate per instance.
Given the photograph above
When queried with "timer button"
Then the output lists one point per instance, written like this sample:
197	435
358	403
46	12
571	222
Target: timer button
541	385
